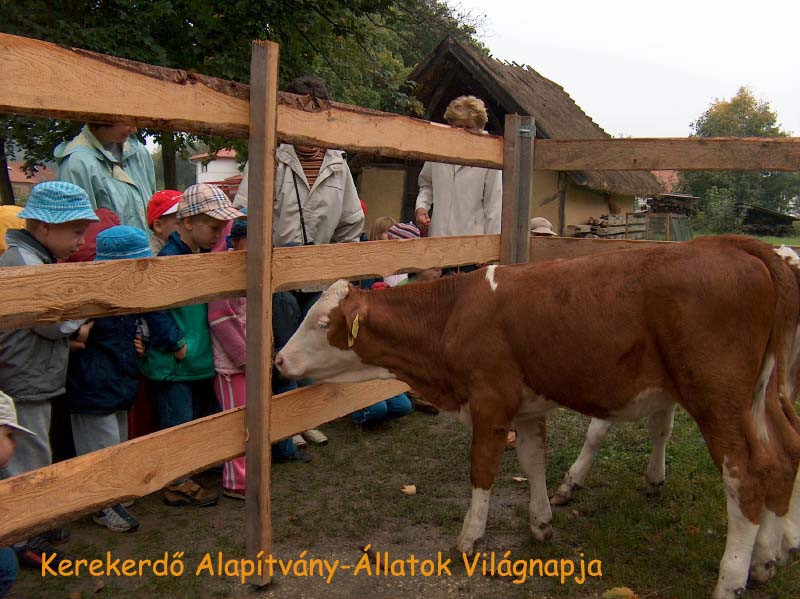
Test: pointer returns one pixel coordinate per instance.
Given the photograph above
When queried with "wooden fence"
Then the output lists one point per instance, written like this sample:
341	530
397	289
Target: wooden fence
44	79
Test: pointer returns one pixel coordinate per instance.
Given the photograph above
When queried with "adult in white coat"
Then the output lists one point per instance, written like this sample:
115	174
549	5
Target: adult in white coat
466	200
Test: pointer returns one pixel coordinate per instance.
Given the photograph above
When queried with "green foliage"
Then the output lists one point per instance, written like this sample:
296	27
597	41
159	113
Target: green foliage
741	116
186	174
719	214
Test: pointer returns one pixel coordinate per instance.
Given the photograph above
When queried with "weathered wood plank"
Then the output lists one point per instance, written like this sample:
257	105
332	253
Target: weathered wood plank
297	267
35	294
44	79
517	192
144	465
544	249
698	154
263	127
52	293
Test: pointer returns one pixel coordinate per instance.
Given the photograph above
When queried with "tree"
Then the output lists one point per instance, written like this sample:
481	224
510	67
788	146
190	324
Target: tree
210	36
741	116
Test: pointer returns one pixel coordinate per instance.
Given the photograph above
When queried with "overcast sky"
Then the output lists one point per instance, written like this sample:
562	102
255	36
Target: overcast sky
648	69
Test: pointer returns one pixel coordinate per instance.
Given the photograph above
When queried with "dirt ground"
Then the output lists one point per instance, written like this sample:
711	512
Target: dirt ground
349	496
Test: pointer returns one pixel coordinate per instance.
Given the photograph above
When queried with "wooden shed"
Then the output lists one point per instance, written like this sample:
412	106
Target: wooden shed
454	69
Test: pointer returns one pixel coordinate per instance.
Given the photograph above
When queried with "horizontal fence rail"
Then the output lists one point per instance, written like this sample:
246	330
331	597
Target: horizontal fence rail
44	79
685	154
35	501
51	293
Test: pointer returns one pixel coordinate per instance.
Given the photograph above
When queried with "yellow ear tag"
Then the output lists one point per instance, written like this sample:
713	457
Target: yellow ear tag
351	339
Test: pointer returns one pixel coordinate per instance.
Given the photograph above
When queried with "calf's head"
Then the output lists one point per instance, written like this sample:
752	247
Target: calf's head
322	348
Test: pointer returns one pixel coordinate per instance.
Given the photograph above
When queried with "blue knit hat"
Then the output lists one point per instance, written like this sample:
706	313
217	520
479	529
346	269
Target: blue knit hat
239	228
57	202
121	243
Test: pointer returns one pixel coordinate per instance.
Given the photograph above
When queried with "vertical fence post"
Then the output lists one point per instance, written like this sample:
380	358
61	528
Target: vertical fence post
515	238
261	182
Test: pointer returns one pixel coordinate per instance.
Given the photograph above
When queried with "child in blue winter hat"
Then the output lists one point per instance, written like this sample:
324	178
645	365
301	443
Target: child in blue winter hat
103	377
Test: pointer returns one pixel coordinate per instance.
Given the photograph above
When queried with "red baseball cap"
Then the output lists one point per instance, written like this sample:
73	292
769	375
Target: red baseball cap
161	203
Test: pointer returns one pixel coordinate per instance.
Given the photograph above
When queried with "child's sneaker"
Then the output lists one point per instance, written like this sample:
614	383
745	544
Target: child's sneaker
30	554
315	436
299	441
116	518
234	494
56	536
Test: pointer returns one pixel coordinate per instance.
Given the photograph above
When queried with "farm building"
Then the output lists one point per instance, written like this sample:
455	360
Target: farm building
217	167
565	198
22	181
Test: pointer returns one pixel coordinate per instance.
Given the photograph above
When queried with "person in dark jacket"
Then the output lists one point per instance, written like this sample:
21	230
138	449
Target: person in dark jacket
103	377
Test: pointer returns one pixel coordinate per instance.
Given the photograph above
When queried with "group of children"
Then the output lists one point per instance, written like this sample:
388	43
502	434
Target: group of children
94	367
193	357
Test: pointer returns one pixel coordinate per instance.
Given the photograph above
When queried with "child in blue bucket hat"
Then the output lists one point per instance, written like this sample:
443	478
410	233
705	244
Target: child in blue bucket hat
103	377
33	361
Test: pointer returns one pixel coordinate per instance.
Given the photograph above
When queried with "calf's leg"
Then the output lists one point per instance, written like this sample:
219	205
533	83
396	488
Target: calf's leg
532	455
742	532
489	432
598	429
659	425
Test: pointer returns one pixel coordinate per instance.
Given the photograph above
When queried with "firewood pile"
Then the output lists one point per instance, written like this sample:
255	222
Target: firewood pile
611	226
674	204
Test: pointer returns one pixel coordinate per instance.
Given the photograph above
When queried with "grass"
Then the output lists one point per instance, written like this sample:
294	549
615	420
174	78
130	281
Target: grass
666	547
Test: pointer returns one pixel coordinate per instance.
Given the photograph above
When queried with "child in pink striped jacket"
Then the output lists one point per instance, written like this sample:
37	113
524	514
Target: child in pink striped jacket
228	324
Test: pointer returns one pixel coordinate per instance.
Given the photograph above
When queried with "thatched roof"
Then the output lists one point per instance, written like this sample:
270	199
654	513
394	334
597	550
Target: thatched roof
454	69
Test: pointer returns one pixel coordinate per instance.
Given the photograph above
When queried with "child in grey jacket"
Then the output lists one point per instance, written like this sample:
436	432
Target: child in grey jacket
33	362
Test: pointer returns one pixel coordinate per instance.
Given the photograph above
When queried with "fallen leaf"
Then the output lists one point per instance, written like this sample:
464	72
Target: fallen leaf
620	593
519	479
75	595
409	489
99	586
692	530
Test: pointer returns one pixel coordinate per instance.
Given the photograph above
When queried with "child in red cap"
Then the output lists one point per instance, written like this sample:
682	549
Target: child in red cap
161	217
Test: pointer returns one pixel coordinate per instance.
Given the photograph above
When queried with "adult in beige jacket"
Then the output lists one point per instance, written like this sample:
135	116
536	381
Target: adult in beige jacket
467	200
331	209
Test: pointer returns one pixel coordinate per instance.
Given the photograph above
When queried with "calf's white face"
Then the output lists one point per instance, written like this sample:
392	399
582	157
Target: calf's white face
309	353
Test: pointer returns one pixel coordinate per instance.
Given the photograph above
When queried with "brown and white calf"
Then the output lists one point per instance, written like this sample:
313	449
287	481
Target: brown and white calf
659	426
711	325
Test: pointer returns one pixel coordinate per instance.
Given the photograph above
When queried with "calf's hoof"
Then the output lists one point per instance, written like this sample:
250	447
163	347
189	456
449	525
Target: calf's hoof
542	532
763	572
468	549
561	498
653	489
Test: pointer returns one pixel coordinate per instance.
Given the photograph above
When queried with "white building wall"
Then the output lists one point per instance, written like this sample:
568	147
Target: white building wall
216	170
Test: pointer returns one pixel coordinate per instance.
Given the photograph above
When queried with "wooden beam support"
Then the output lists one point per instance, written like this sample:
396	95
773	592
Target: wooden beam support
261	183
44	79
146	464
690	154
517	185
544	249
51	293
319	264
